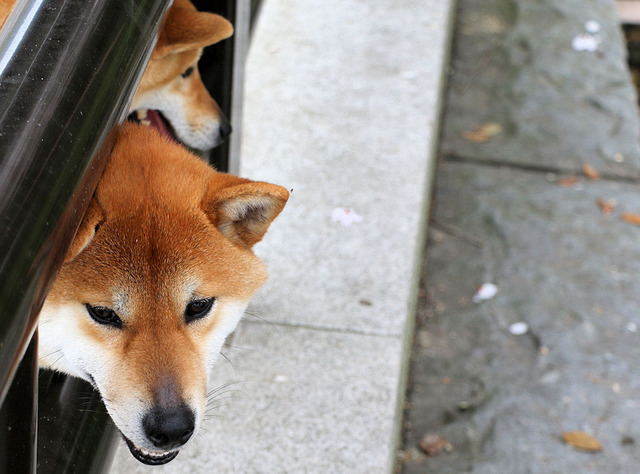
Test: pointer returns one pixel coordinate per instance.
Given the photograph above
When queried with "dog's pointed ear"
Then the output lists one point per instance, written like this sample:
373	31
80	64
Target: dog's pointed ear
242	210
186	28
88	227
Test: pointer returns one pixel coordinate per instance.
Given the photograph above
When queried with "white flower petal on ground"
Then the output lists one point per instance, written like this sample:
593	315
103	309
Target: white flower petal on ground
592	26
485	292
519	328
345	216
585	42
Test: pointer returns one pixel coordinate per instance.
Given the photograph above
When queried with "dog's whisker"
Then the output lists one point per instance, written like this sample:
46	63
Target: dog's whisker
230	363
211	416
221	387
216	396
239	348
266	321
90	409
42	357
53	364
212	408
88	399
219	399
84	410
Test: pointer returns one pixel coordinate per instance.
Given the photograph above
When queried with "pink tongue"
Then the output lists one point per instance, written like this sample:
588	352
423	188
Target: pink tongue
157	122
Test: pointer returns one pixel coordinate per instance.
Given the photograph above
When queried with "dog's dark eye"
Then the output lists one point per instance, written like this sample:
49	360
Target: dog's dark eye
103	315
188	72
198	309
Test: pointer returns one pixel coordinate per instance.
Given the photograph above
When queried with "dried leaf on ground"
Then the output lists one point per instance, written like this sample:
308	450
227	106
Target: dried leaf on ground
607	206
475	137
491	129
582	440
483	133
594	379
568	181
433	444
631	218
590	172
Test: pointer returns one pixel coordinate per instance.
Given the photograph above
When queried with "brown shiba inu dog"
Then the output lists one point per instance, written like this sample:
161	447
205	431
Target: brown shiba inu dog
171	95
159	273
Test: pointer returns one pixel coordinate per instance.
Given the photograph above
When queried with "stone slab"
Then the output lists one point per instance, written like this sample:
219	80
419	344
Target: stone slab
342	107
568	271
559	108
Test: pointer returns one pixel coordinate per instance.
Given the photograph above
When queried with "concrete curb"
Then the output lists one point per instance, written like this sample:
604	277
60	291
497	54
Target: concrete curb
432	157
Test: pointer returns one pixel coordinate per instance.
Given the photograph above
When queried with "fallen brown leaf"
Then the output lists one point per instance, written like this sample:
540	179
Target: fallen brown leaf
483	133
593	379
607	206
433	444
475	137
631	218
590	172
582	440
568	182
491	129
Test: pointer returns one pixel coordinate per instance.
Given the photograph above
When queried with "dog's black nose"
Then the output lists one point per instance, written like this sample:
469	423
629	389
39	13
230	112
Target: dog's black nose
225	130
169	427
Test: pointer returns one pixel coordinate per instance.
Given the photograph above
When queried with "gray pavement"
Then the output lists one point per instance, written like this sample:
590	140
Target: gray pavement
518	211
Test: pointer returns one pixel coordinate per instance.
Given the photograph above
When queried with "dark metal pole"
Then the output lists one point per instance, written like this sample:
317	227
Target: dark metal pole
18	417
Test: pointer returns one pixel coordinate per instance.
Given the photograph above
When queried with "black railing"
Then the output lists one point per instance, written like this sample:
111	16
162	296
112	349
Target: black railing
222	70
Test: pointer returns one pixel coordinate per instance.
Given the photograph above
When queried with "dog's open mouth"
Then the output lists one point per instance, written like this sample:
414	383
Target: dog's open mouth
152	458
155	119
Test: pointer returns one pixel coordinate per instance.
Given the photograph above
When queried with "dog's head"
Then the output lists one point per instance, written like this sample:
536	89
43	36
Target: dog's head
171	94
158	275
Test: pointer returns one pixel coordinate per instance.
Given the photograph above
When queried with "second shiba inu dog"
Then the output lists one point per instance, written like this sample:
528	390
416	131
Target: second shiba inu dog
159	273
171	95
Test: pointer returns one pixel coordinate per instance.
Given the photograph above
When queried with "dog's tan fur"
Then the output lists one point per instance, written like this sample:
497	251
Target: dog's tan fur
162	229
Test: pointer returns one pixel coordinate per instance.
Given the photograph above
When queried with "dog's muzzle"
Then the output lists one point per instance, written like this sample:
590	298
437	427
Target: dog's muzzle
166	428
